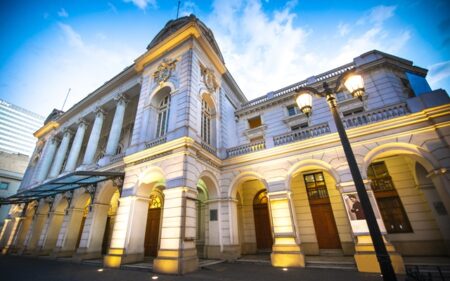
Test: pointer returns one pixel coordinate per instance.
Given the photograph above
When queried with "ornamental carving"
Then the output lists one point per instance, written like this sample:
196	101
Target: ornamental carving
164	71
209	79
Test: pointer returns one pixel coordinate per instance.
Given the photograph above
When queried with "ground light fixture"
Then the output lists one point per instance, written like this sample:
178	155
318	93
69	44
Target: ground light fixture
355	85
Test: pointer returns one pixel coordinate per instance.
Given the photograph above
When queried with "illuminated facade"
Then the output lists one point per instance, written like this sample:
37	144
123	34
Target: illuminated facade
200	172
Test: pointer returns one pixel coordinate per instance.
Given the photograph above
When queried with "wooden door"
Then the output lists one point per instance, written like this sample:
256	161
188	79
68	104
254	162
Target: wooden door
106	240
325	226
152	232
322	213
263	231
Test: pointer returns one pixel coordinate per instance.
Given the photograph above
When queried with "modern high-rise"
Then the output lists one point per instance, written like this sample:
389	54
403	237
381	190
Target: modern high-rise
17	126
169	160
17	142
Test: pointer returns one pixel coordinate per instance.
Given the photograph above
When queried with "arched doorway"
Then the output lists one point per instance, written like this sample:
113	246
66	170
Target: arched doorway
83	221
321	217
411	208
252	219
263	231
110	219
152	229
201	206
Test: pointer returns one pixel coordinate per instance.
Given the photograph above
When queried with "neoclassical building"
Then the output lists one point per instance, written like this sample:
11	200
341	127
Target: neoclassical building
169	160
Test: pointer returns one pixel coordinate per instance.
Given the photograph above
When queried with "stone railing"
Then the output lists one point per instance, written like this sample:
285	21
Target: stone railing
209	148
302	134
156	142
375	115
289	89
246	148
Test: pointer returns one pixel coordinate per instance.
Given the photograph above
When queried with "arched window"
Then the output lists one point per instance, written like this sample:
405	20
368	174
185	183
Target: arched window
391	208
163	116
206	122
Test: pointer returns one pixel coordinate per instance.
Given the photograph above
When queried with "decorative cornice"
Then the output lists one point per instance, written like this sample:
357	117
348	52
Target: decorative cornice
190	30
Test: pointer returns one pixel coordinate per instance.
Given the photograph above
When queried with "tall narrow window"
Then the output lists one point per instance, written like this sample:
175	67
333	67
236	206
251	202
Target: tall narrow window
391	208
206	122
163	116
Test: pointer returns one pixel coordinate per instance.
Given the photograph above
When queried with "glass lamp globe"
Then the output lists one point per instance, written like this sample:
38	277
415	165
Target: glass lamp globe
355	85
304	102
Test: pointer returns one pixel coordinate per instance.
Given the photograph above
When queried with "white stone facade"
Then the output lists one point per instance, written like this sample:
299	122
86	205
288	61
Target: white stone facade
183	198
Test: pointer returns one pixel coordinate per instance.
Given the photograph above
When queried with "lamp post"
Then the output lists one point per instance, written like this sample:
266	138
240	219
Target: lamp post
355	85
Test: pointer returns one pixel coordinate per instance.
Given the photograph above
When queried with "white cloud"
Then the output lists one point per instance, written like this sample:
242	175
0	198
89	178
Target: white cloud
438	72
76	63
267	51
377	15
142	4
343	29
263	52
373	35
72	37
63	13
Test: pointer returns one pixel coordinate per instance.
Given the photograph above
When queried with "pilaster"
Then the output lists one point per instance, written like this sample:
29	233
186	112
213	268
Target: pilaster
286	252
177	253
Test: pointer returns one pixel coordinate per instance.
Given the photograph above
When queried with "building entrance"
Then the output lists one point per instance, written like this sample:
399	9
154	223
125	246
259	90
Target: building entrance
322	213
152	228
264	240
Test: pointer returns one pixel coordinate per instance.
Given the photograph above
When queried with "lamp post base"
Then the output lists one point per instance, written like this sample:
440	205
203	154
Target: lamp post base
366	258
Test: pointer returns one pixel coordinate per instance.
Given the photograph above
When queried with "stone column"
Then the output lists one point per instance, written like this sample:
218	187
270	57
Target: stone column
230	249
116	128
127	239
76	146
4	235
12	234
177	253
92	237
286	252
22	233
94	137
70	229
47	159
34	233
50	232
61	154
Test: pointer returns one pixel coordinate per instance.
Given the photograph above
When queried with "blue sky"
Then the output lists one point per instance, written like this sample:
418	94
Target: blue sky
51	46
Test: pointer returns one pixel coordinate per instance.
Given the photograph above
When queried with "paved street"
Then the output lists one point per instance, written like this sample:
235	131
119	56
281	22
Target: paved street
16	268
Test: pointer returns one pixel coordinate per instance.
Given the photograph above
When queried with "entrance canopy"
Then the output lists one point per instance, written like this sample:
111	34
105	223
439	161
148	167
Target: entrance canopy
60	185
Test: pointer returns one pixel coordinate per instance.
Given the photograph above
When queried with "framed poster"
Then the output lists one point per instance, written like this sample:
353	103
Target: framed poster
356	214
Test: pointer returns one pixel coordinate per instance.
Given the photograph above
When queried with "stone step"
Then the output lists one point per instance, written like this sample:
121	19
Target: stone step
332	266
334	263
138	266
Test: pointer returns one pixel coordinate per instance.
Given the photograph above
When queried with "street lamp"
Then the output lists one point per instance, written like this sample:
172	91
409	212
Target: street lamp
355	85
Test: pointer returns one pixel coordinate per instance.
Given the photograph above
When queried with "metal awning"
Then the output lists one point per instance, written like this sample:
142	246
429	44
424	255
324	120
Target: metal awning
65	183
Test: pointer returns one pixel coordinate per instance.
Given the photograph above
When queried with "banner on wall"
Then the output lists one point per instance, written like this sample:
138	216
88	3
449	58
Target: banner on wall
356	214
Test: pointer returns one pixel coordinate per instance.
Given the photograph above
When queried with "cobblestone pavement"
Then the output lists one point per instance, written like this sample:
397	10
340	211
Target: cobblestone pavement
16	268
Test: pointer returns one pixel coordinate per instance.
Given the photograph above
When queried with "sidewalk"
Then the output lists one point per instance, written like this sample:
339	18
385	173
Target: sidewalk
17	268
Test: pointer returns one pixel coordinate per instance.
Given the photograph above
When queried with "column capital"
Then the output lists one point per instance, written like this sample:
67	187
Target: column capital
99	112
55	140
67	131
121	99
82	122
